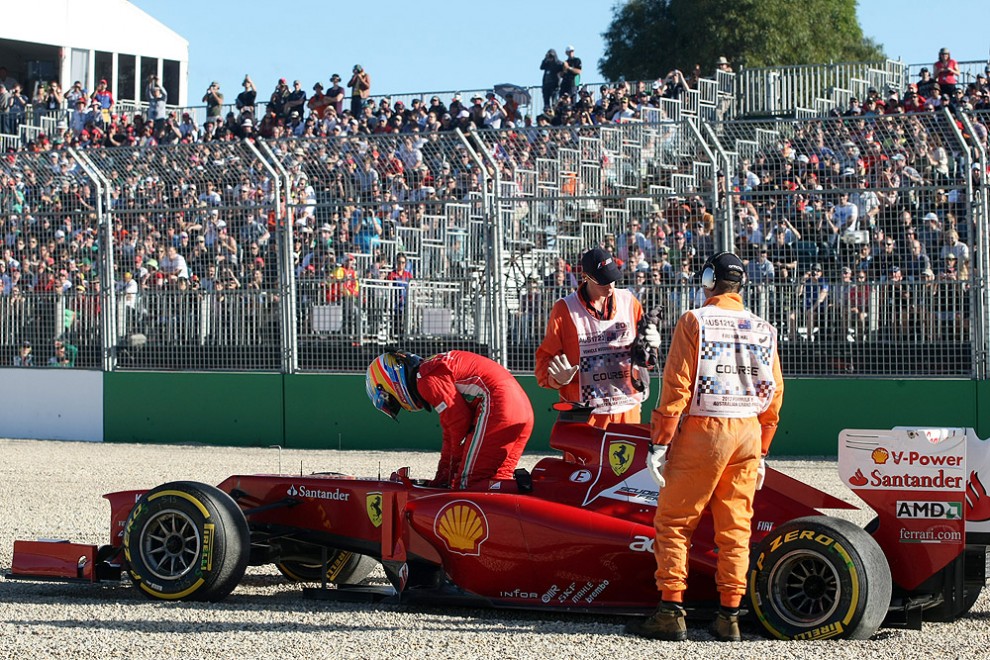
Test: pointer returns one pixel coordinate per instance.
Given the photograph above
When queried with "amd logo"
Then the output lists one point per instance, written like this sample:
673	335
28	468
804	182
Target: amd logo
930	510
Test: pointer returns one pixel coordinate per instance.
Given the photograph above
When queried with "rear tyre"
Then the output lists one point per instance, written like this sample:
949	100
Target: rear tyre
186	541
342	568
819	577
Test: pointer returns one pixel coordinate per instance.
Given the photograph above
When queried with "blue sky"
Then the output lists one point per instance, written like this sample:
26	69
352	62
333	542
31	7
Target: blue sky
411	47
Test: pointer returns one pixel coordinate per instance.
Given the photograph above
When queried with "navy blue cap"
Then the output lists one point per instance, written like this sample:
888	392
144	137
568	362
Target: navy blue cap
600	266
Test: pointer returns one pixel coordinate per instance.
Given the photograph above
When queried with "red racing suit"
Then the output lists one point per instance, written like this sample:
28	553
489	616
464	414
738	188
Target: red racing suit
485	415
718	411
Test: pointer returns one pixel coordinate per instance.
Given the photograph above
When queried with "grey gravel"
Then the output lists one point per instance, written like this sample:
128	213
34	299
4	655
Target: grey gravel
53	489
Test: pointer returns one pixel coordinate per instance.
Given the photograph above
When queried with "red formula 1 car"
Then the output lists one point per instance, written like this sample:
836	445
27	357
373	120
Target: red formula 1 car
576	534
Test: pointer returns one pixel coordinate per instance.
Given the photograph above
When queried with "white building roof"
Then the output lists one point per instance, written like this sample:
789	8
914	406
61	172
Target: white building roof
107	25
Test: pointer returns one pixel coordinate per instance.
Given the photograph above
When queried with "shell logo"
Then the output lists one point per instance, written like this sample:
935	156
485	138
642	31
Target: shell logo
880	455
462	526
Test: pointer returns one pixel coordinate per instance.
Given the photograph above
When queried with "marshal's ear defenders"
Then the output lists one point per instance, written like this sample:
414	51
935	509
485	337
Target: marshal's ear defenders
708	276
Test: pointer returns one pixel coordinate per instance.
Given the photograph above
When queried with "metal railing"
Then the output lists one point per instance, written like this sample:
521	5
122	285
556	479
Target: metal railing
756	91
968	70
781	90
712	100
867	328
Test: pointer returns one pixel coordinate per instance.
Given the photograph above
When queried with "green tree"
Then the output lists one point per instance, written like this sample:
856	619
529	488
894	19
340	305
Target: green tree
648	38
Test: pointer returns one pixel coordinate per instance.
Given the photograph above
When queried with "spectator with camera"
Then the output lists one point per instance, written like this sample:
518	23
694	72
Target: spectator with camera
360	84
13	108
493	114
552	68
213	98
157	98
674	85
53	100
278	98
247	98
74	93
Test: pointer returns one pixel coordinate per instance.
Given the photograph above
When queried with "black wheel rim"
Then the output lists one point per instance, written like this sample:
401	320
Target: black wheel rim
805	589
170	544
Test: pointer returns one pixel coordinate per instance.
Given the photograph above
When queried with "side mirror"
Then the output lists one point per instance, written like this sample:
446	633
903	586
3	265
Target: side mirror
571	411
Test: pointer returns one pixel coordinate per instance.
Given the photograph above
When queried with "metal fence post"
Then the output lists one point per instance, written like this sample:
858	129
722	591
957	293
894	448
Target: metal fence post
496	283
975	292
287	275
978	204
693	128
108	299
727	205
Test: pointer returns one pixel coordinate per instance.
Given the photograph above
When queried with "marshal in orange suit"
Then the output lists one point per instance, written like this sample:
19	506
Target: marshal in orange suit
586	351
717	415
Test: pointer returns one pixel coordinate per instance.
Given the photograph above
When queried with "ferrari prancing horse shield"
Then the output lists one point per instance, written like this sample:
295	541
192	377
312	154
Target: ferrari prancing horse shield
620	456
373	505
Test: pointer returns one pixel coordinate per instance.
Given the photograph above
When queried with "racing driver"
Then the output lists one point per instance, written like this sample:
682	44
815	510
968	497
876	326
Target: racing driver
485	415
586	351
717	414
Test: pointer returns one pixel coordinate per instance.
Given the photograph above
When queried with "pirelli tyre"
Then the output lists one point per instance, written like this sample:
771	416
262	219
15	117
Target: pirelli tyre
819	577
342	568
186	541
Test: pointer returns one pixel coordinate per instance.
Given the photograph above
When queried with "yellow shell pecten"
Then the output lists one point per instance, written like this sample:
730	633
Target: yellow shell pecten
462	526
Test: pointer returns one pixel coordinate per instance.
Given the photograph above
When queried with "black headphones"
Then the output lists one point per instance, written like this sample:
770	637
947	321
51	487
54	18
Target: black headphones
708	275
708	272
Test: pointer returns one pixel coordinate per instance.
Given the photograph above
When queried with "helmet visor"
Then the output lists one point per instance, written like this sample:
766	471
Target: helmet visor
385	402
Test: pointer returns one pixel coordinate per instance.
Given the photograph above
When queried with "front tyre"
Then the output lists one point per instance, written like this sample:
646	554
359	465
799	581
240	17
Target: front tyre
186	541
819	577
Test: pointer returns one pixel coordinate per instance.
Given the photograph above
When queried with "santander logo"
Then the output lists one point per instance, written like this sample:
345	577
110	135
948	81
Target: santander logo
858	479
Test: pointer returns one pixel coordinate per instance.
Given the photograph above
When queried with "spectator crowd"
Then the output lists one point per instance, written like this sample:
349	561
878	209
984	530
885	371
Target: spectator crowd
875	192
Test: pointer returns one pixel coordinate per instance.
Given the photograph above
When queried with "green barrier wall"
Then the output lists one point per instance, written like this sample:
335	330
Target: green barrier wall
331	411
327	411
208	408
815	411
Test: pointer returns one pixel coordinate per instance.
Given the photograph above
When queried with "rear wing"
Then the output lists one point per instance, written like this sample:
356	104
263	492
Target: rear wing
926	485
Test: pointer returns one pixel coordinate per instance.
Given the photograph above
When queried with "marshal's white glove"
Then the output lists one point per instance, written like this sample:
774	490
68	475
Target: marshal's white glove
761	473
655	462
652	336
560	369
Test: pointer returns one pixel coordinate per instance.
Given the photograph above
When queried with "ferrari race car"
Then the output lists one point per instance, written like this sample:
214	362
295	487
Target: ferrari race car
575	534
